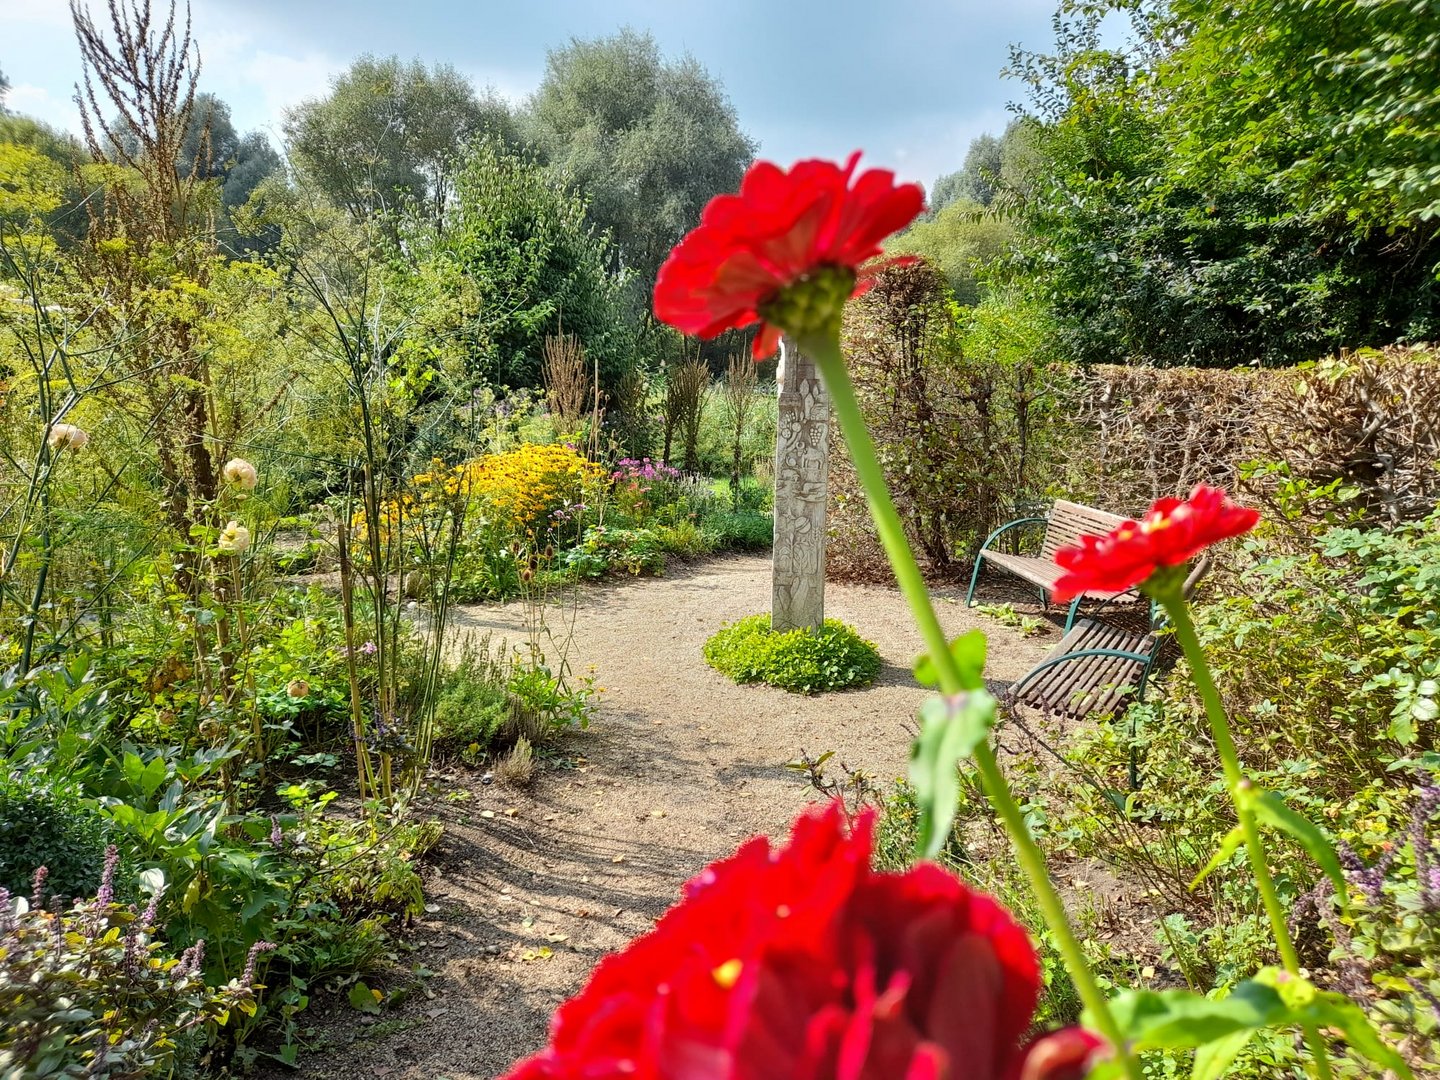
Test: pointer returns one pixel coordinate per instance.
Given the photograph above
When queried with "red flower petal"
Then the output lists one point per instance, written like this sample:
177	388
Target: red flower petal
780	226
804	964
1171	533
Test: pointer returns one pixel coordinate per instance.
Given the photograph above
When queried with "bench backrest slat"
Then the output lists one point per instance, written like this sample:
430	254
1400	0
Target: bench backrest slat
1069	521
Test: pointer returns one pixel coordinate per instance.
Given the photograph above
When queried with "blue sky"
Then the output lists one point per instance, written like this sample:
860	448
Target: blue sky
908	81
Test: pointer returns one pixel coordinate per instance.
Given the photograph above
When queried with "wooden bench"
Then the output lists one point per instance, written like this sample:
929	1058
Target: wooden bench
1064	525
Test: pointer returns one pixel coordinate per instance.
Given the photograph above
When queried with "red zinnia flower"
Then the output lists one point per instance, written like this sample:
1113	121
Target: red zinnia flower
1173	532
804	964
779	228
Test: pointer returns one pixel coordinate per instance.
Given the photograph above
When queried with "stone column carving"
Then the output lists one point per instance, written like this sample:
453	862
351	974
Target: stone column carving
802	472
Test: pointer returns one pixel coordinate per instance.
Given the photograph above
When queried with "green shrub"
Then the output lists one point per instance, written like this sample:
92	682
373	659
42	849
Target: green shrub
685	539
43	824
469	714
89	992
833	658
740	530
474	708
636	551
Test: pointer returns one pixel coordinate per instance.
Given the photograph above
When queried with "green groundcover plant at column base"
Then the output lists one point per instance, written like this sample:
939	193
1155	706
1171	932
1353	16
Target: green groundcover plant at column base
834	657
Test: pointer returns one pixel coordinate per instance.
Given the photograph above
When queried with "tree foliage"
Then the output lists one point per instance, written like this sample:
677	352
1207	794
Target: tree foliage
1160	228
649	140
525	263
1336	101
390	134
961	240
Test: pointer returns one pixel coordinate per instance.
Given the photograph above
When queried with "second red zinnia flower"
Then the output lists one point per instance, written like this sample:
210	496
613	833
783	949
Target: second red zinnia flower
782	226
1171	533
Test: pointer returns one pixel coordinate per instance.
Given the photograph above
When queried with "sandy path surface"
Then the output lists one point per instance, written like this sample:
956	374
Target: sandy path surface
535	886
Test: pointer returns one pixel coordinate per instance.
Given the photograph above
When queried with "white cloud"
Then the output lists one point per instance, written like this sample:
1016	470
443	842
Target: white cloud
37	101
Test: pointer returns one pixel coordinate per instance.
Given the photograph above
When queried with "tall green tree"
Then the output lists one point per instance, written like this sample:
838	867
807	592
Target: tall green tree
1335	102
1145	252
962	240
390	135
518	261
648	140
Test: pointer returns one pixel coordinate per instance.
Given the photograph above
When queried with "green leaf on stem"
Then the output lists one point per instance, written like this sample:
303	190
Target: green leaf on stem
968	652
1212	1059
1270	809
1218	1029
1231	844
1183	1020
950	729
1335	1011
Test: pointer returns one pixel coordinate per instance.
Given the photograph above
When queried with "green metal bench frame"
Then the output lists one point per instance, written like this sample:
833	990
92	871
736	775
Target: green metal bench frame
1065	524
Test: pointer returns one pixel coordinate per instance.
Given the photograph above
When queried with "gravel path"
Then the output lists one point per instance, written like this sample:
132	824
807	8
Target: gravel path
533	887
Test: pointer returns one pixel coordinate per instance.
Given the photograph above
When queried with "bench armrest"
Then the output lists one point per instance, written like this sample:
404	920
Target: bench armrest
1011	525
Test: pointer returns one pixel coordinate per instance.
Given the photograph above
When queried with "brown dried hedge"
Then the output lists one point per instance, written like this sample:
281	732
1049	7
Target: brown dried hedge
968	442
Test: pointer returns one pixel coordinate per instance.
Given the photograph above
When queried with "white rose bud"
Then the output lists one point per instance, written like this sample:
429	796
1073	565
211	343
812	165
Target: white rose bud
67	437
234	539
240	473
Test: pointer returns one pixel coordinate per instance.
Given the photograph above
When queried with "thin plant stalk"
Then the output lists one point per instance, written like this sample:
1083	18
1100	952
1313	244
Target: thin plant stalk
825	351
364	769
1178	611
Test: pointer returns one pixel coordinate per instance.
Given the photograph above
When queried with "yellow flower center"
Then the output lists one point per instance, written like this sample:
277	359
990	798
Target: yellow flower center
727	974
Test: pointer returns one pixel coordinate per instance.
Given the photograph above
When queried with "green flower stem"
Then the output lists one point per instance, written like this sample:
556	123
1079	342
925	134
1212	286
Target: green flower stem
1178	610
825	351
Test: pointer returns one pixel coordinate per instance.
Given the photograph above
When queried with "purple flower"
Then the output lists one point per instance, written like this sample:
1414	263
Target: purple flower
1427	860
1370	880
247	977
190	961
106	896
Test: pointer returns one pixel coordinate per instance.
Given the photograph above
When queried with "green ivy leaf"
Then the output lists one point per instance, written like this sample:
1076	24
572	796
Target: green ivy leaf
950	729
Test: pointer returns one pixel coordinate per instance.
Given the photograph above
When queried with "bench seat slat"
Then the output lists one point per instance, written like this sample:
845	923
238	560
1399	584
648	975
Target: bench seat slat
1045	573
1090	684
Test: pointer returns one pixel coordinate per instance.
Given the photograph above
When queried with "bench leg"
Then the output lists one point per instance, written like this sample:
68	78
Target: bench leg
974	577
1135	730
1070	615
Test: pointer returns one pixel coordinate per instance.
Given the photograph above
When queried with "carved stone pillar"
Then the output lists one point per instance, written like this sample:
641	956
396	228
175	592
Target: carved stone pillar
802	472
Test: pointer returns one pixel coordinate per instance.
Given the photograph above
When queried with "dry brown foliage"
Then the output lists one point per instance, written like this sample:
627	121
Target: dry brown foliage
1368	419
682	407
968	443
962	438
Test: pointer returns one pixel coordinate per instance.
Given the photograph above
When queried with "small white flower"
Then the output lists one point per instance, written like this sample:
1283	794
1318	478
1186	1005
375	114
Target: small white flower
67	437
234	539
240	473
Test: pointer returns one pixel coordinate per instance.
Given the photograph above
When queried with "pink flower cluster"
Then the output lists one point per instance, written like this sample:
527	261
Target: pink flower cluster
643	469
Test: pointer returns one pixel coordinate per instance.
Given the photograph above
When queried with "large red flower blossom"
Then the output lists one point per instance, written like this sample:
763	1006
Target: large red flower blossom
782	226
1171	533
804	964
